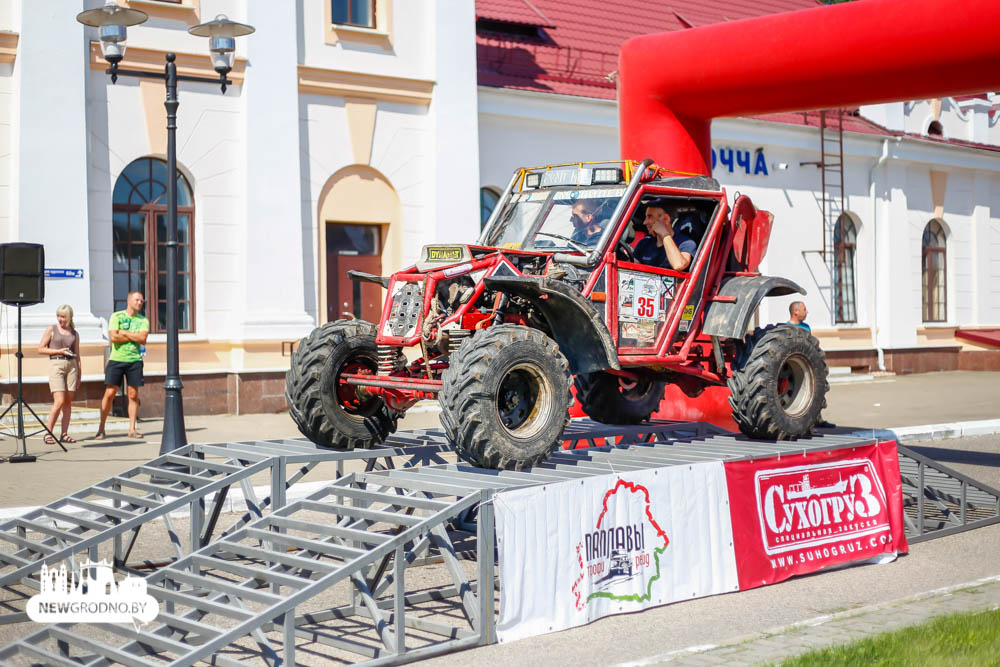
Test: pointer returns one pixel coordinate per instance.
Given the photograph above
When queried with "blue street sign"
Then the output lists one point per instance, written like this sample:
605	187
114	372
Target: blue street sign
64	273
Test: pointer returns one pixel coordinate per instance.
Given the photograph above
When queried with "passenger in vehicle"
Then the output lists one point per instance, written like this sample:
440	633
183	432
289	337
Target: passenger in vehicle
586	228
664	246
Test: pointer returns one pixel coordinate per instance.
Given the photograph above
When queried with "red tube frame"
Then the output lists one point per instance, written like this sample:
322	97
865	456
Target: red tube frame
671	85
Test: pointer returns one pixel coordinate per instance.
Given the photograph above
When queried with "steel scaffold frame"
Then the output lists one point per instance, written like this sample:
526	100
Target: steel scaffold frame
248	595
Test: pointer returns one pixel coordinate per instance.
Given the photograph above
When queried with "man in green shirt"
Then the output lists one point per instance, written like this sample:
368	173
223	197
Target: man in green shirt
127	330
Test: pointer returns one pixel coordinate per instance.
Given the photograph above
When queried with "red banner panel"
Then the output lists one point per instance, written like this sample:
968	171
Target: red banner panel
801	513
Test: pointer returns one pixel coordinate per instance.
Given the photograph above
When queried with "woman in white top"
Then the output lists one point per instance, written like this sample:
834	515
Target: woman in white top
62	343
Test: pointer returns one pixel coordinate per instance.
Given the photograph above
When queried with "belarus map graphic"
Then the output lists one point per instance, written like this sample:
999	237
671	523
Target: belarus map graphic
621	570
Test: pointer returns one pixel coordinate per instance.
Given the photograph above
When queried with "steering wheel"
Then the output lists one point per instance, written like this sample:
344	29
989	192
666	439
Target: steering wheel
624	251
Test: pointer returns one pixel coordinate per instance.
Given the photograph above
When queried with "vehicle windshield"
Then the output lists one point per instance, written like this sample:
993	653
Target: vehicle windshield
549	220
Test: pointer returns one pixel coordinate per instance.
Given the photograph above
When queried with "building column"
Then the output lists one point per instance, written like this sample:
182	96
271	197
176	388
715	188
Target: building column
455	117
980	242
273	278
49	159
897	320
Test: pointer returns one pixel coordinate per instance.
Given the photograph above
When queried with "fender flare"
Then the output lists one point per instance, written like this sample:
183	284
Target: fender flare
730	320
576	326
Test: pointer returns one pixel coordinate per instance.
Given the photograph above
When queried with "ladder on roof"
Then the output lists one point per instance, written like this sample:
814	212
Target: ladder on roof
831	140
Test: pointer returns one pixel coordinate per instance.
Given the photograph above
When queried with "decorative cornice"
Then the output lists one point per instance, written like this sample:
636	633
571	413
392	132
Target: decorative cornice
8	47
187	10
337	83
153	60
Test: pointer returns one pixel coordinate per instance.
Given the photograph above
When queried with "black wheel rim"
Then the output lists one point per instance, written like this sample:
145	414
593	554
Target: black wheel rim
523	401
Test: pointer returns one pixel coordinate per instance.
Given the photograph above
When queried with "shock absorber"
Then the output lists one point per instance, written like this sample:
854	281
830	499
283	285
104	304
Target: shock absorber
388	359
456	337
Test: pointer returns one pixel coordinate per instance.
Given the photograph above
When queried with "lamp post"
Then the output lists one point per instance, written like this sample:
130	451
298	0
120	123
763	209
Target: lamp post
112	22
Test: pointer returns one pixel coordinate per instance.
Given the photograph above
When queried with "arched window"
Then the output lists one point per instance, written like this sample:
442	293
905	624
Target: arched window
934	287
139	206
488	198
845	236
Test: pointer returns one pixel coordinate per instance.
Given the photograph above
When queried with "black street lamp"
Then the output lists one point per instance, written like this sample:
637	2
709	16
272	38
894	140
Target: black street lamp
112	22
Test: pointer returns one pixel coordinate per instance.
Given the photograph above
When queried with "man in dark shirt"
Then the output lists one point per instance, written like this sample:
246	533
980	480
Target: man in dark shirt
664	246
586	229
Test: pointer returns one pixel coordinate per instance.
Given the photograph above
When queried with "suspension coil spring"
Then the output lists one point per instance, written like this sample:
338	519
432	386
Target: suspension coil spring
456	337
388	357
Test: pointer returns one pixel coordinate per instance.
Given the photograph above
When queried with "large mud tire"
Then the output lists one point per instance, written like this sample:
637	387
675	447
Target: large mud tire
317	404
606	399
778	387
505	399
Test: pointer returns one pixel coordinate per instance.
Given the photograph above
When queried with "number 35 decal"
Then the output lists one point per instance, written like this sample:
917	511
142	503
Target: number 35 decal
646	307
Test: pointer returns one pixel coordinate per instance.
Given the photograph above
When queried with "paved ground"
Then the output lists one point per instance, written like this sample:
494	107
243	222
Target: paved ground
906	400
841	628
747	622
755	615
894	401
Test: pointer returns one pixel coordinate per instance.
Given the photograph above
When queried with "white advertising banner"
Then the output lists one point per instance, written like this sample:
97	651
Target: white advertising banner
572	552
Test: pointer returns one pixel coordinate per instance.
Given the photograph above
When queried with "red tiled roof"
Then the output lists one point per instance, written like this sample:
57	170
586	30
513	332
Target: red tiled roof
575	56
852	123
577	48
861	125
512	11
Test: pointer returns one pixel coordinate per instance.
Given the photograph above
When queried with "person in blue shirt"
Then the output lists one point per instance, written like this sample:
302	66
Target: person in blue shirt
797	312
664	246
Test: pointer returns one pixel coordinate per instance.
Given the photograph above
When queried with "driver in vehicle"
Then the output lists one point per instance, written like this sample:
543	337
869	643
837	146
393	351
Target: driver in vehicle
664	246
586	228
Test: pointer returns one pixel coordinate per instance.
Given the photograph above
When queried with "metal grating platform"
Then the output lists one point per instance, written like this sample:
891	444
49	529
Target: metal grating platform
939	501
105	520
387	565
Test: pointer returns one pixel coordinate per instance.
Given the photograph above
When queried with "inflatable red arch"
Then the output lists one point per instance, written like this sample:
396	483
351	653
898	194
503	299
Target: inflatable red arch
671	85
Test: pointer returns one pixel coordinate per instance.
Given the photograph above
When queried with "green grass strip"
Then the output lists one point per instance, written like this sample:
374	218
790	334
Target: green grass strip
958	639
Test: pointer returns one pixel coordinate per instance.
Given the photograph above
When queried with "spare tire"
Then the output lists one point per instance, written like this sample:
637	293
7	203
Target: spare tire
778	388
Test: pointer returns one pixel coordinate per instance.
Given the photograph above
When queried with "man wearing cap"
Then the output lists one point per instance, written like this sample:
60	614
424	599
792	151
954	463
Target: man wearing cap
664	246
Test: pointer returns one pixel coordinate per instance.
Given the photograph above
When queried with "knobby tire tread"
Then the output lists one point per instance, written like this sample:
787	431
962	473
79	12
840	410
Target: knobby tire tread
753	397
304	388
601	399
476	440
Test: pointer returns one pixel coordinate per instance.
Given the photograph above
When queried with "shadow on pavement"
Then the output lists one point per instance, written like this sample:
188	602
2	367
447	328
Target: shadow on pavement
958	456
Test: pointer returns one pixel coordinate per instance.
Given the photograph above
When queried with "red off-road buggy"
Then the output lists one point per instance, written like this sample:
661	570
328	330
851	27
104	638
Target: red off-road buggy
500	330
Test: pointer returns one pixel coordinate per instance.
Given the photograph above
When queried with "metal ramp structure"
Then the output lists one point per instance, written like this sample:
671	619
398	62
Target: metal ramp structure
939	501
105	520
390	565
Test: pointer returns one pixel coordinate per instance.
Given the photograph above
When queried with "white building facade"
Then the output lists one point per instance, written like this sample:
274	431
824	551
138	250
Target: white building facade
351	141
342	139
